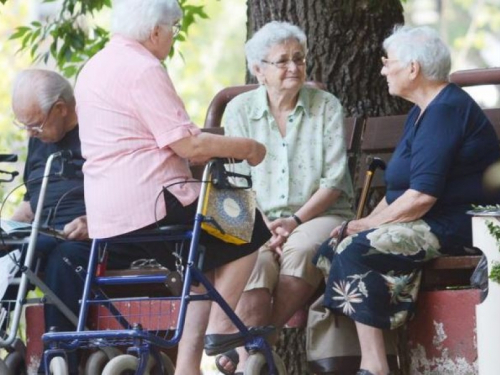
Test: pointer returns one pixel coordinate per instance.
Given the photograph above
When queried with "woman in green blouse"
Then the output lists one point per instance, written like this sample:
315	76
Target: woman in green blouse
302	186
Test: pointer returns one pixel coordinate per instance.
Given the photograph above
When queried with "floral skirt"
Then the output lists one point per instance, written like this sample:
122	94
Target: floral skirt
374	276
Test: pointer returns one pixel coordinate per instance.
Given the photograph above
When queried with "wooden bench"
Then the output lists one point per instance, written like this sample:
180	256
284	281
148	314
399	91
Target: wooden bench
378	136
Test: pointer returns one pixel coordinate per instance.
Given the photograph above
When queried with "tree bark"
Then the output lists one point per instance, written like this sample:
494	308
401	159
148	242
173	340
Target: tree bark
345	46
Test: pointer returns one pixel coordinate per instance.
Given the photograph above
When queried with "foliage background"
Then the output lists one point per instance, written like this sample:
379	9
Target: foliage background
212	55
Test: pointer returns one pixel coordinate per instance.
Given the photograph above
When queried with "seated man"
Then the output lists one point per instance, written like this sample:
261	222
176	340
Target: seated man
44	106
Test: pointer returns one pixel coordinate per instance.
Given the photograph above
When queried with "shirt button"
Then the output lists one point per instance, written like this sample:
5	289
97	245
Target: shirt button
284	144
290	119
283	171
282	197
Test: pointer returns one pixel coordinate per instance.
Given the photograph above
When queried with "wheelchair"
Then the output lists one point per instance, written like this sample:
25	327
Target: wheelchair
144	326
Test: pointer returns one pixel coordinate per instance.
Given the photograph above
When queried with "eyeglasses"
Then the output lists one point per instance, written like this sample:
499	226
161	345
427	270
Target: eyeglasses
386	61
282	64
176	29
35	128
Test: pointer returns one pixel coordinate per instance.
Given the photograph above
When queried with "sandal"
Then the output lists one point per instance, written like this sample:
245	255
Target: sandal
220	343
232	358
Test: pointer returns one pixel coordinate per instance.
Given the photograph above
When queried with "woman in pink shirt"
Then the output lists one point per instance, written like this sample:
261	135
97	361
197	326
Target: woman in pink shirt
137	139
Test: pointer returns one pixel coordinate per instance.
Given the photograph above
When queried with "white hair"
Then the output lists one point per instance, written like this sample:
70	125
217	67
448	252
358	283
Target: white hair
46	86
268	36
422	45
136	19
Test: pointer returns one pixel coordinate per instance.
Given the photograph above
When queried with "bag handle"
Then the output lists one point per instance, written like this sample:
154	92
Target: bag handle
220	175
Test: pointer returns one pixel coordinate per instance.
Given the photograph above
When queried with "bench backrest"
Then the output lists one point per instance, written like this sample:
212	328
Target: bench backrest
218	104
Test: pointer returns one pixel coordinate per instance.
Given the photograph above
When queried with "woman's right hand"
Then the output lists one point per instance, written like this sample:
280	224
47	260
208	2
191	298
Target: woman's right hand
353	227
257	154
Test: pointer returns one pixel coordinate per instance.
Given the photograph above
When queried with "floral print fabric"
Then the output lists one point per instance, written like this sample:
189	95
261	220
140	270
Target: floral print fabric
373	276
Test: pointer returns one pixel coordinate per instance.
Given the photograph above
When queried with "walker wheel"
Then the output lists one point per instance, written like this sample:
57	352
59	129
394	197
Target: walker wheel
58	366
126	364
97	360
168	366
4	369
15	363
256	365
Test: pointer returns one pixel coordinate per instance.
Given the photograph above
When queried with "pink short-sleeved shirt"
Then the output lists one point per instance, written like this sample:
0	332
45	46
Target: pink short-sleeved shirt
129	113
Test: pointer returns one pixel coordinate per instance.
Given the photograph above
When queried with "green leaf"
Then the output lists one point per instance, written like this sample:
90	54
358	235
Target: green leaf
20	31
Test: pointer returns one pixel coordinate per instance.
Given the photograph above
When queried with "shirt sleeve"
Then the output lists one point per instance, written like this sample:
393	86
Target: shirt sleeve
435	146
335	158
158	106
236	123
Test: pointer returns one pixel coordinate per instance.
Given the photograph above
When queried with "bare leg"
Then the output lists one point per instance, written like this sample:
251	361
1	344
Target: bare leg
255	308
290	295
229	280
201	317
191	344
373	355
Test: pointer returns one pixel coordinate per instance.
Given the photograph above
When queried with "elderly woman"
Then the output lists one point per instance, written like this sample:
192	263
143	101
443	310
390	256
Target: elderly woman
137	140
432	179
302	186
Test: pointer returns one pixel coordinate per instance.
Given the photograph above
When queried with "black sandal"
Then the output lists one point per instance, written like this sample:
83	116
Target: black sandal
233	359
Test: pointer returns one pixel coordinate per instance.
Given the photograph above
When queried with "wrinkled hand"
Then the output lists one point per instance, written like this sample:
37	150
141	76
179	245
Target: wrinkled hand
77	229
354	226
257	155
281	229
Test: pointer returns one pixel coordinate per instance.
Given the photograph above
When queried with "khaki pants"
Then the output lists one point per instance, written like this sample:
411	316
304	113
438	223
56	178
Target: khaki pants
296	260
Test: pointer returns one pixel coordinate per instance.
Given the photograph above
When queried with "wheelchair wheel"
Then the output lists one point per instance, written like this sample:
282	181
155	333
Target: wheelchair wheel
167	365
256	365
4	369
58	366
16	364
98	360
125	364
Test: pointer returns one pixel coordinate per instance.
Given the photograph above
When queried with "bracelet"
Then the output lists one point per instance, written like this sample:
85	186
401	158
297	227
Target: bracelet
297	219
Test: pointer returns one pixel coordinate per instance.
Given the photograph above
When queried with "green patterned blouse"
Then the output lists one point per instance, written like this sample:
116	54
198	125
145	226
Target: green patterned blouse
312	155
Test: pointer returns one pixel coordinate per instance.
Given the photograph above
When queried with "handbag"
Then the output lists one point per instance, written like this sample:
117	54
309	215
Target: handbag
229	208
332	345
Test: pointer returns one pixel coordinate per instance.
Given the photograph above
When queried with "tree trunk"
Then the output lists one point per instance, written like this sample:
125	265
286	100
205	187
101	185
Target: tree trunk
345	46
345	49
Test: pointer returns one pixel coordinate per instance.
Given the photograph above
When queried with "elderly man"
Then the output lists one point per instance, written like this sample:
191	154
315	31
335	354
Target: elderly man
44	106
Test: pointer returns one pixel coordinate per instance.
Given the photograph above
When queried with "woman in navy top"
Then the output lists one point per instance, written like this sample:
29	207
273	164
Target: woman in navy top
433	178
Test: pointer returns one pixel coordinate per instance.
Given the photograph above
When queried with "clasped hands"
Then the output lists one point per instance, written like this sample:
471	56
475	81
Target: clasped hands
280	229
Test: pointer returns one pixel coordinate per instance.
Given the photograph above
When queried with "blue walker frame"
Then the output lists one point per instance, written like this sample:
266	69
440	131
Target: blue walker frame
143	342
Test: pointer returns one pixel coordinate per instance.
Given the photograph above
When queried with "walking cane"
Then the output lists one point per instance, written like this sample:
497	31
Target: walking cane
373	164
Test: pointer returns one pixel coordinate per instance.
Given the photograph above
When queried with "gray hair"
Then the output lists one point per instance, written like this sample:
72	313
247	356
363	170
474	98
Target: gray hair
269	35
422	45
46	86
136	19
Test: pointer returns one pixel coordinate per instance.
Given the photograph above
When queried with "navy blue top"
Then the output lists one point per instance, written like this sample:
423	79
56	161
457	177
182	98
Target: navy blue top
71	205
444	154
